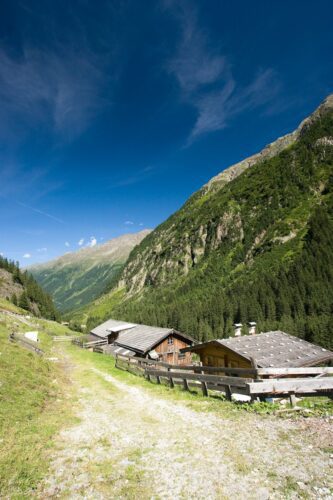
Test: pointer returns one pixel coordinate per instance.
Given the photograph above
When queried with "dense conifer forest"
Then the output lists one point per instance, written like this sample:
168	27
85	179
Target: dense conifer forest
32	298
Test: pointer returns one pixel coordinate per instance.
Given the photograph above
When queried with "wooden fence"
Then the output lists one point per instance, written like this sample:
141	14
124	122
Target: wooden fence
252	382
64	338
82	342
26	343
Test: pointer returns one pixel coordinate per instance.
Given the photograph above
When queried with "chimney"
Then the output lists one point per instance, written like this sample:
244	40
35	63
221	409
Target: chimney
252	328
238	329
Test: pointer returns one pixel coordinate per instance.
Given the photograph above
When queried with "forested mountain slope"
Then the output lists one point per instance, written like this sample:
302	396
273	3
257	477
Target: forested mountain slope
77	278
21	289
255	244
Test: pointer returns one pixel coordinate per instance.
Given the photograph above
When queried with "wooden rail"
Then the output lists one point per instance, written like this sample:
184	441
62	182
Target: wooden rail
226	384
64	338
278	372
263	382
24	342
80	341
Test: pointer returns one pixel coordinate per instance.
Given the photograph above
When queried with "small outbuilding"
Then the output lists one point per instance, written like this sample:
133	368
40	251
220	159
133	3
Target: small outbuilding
275	349
131	339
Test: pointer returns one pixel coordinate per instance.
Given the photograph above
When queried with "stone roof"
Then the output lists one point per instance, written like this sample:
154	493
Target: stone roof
140	338
104	329
277	349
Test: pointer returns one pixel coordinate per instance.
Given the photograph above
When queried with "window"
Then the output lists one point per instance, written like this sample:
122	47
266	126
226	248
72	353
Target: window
170	340
181	355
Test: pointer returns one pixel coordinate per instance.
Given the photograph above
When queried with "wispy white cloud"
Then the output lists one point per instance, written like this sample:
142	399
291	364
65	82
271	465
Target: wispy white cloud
216	108
42	250
41	212
92	242
80	242
27	256
129	223
67	244
59	88
206	79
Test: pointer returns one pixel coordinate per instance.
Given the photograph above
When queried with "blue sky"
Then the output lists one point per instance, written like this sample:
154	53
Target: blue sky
113	112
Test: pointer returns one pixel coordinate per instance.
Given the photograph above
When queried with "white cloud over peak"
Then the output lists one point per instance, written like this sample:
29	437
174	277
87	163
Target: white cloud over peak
92	242
67	244
27	256
80	242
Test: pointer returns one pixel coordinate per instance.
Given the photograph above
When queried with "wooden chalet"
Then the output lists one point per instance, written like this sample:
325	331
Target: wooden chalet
273	349
130	339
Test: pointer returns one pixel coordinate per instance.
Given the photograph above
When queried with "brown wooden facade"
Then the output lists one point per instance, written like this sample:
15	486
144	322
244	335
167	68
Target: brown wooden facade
168	351
217	355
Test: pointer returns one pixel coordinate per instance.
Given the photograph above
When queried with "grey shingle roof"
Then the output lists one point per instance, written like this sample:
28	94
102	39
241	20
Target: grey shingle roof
277	349
143	338
140	338
103	330
115	349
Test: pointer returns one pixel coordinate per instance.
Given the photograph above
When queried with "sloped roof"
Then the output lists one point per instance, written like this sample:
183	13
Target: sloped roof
143	338
103	330
275	349
140	338
115	349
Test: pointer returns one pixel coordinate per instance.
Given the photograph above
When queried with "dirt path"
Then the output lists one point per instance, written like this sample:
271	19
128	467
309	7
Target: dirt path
129	443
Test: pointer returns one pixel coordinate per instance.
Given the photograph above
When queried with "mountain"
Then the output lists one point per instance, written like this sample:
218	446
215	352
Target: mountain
253	244
79	277
21	289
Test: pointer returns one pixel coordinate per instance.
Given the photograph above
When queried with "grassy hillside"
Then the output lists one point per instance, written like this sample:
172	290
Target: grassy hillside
77	278
255	248
32	407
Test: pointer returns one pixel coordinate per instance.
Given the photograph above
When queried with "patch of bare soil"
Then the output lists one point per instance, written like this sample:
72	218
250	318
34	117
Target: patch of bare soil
129	443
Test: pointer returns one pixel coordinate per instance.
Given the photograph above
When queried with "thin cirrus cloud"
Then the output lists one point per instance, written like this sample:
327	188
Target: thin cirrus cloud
27	256
206	80
59	88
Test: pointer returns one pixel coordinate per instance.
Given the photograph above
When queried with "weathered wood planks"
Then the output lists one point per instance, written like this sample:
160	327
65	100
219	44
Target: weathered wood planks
293	385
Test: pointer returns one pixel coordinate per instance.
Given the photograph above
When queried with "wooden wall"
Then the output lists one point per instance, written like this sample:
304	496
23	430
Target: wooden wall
170	352
213	355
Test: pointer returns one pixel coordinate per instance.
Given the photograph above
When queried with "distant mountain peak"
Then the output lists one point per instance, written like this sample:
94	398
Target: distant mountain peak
76	278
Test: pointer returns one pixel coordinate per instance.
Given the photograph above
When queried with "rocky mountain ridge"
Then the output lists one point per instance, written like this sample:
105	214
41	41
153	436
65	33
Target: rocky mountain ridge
179	244
76	278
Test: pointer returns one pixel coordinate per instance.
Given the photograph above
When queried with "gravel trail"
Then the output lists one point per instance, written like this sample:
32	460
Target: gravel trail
129	443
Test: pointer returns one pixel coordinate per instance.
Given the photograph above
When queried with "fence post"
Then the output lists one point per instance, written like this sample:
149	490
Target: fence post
204	388
292	399
185	385
171	382
228	392
255	367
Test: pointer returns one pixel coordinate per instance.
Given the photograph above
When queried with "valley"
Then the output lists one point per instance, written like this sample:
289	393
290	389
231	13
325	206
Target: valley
77	278
254	244
166	256
103	432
